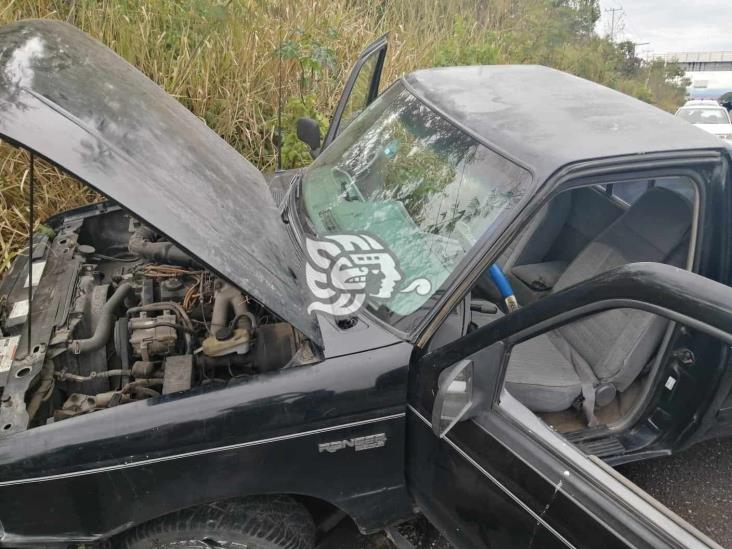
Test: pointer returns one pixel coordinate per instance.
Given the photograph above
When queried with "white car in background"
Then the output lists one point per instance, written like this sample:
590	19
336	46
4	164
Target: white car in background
708	115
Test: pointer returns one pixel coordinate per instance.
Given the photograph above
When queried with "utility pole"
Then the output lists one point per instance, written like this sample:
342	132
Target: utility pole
612	11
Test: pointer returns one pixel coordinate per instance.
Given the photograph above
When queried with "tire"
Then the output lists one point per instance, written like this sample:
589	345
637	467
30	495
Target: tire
277	522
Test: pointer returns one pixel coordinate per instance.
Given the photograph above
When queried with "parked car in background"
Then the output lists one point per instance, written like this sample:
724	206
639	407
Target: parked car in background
709	116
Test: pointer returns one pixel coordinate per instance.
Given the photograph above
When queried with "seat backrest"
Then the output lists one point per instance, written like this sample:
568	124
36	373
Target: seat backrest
532	244
617	344
534	241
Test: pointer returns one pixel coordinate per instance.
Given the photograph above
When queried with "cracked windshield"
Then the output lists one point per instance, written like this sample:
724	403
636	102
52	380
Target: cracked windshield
427	190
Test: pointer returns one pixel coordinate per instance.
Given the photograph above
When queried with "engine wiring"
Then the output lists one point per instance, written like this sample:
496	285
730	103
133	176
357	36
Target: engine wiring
199	293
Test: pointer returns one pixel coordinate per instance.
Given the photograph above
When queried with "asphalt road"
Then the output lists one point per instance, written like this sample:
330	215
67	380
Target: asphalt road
696	485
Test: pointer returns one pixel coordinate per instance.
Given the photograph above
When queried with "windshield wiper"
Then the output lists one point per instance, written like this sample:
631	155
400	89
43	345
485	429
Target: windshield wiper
296	180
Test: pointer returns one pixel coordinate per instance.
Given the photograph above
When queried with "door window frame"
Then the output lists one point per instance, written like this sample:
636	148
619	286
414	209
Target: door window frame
378	47
636	413
575	176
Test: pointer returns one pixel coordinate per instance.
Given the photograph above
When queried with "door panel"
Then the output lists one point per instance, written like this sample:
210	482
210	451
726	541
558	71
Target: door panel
504	506
471	507
362	87
500	476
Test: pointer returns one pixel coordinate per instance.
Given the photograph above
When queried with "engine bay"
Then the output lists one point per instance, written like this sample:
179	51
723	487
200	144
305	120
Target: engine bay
120	315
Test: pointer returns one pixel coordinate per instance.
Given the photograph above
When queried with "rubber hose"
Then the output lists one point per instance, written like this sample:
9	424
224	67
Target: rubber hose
140	243
63	376
227	297
103	331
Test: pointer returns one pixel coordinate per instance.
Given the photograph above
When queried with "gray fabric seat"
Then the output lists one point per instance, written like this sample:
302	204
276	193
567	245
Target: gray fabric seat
533	243
541	377
608	349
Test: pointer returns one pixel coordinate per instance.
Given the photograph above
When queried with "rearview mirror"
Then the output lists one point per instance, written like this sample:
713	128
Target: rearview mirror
308	131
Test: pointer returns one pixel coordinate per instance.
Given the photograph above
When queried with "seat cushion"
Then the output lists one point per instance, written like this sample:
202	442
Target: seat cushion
541	378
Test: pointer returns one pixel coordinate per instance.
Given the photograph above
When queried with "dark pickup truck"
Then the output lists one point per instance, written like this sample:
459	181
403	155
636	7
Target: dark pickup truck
492	285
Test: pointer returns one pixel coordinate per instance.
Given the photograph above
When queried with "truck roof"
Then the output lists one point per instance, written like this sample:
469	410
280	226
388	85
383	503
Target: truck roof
546	119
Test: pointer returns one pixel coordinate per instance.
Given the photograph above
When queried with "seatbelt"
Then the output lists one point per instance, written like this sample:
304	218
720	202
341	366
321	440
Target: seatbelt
589	383
588	402
585	374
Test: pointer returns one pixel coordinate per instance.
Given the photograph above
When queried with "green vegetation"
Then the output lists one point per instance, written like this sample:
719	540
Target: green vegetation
224	61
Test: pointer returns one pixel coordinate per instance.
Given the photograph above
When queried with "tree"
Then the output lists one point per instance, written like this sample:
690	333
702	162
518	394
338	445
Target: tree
628	64
584	16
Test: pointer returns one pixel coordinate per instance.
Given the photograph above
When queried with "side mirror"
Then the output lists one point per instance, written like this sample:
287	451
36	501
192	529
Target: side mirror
466	388
454	397
308	131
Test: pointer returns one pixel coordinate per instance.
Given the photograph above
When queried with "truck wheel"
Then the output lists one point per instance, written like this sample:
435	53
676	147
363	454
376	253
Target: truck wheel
277	522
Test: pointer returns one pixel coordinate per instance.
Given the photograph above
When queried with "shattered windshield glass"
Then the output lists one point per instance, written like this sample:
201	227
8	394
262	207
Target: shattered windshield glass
425	189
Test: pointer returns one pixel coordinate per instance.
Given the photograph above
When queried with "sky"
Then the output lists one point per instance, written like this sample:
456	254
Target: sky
671	25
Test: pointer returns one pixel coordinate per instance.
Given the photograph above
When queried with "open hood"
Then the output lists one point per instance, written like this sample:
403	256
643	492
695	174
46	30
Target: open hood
75	102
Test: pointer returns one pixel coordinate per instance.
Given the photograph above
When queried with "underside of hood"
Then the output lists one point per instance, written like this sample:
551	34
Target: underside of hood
75	102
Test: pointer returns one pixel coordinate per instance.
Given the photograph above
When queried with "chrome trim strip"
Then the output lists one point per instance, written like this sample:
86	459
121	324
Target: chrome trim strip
495	481
201	452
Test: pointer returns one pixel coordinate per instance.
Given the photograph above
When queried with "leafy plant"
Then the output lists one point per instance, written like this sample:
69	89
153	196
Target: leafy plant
295	153
467	45
315	60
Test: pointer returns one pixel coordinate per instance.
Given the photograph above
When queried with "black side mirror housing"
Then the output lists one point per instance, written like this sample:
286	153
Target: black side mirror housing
308	131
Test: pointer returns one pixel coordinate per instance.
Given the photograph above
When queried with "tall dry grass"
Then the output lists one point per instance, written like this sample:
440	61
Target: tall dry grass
54	192
221	60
